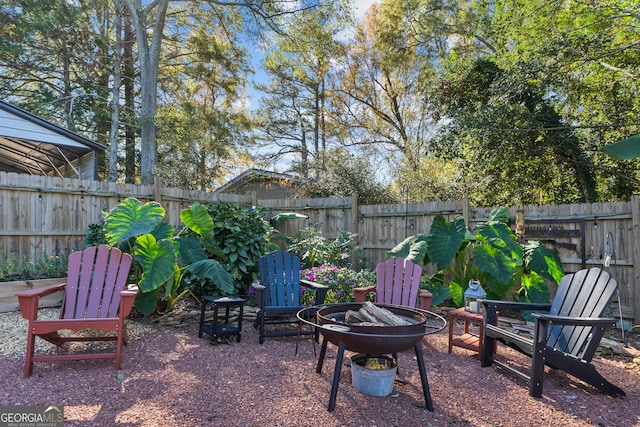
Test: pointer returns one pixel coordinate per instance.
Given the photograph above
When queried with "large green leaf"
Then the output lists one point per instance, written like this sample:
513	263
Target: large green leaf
457	294
164	230
146	302
129	219
212	270
533	289
499	215
543	261
198	220
157	259
413	248
191	250
625	149
444	240
493	261
499	235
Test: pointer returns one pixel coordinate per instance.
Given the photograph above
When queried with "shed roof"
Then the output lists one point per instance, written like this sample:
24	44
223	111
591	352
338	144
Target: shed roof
30	144
256	175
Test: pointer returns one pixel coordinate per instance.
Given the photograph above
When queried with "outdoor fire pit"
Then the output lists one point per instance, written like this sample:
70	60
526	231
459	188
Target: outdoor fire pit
373	340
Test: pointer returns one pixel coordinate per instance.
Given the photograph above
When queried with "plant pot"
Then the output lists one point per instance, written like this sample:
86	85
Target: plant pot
374	382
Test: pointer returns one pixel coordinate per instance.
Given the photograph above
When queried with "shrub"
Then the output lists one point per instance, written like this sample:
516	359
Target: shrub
340	280
240	238
315	250
45	267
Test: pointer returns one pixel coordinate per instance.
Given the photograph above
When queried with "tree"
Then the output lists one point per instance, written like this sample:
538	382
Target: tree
149	24
376	91
206	122
51	61
343	174
292	115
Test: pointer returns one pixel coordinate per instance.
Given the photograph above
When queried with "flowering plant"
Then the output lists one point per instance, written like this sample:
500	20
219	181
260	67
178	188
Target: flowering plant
340	280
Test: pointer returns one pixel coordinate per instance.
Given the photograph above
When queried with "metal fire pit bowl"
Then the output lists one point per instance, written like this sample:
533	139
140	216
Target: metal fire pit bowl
372	339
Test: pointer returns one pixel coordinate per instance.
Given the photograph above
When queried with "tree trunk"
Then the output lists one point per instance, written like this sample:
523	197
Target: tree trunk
129	125
149	60
115	97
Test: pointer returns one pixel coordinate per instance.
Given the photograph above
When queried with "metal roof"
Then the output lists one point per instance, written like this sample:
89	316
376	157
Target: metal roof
258	174
32	145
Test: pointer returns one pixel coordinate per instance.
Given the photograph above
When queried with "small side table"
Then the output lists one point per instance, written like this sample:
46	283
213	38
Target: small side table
216	329
467	340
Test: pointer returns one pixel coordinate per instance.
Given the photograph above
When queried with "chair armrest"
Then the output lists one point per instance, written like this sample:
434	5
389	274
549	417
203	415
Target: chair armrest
42	291
426	298
321	290
360	294
127	299
29	300
258	295
514	305
574	321
491	308
314	284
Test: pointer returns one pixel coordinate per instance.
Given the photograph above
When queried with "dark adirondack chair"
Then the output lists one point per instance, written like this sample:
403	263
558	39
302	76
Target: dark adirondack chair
279	293
398	282
566	338
94	298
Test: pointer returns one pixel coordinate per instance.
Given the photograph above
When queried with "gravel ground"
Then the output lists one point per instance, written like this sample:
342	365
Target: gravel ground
170	377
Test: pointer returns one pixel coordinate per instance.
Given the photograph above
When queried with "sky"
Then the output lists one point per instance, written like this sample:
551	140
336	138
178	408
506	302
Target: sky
361	7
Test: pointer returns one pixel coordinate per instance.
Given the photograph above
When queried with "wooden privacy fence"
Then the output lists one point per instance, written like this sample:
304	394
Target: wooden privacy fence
41	215
584	235
45	215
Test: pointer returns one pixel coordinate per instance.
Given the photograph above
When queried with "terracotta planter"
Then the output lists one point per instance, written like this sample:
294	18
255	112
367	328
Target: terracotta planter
9	301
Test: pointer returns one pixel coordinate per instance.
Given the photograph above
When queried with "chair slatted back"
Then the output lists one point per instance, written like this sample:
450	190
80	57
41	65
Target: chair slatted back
280	274
95	279
398	282
582	294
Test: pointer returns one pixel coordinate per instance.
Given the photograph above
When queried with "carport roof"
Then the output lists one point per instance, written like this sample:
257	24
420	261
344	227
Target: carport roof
29	144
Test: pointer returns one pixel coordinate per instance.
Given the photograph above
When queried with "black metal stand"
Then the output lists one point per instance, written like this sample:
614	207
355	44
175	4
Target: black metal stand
338	368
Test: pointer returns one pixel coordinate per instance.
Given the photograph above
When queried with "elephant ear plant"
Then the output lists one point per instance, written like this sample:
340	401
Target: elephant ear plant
138	229
493	256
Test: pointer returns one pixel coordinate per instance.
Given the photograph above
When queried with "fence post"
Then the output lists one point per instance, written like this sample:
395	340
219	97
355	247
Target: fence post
466	212
157	190
354	224
633	287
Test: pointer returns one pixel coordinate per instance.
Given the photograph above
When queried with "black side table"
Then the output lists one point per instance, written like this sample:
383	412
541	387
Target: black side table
215	329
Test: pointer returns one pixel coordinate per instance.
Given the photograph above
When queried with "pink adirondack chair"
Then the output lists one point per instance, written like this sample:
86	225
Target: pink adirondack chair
398	282
95	297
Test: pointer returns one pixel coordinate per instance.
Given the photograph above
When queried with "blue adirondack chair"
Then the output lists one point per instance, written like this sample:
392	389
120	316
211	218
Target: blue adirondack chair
278	295
565	338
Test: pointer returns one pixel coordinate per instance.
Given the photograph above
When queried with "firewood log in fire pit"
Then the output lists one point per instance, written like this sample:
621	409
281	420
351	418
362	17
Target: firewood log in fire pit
370	314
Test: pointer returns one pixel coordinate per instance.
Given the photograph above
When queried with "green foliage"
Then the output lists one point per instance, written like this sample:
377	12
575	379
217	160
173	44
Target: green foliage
238	237
139	230
492	256
340	280
315	250
340	174
95	235
44	267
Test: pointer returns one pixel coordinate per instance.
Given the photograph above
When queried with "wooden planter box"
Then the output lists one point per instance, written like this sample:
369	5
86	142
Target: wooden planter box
9	301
